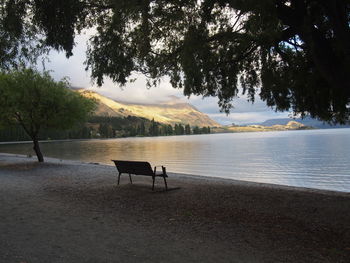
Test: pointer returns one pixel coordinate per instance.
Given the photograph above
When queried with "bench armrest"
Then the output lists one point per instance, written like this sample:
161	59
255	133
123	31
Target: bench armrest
163	169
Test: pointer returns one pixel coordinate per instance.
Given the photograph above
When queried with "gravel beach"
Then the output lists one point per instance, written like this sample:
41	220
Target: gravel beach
65	211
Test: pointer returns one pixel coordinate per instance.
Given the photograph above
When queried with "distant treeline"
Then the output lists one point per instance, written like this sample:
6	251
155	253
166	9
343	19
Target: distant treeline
107	127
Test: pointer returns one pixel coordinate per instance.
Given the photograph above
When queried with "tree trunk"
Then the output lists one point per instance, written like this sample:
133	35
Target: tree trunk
37	150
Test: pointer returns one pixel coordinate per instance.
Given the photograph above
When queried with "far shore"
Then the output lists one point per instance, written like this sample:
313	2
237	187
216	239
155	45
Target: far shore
68	211
240	129
88	139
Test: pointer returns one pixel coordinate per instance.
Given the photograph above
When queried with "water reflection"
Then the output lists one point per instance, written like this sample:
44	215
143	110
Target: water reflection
316	159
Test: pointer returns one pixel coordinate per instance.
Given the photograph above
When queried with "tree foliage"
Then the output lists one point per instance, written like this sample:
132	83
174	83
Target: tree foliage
36	102
295	54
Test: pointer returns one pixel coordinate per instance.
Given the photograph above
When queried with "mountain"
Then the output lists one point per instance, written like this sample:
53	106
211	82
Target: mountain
307	121
169	112
291	125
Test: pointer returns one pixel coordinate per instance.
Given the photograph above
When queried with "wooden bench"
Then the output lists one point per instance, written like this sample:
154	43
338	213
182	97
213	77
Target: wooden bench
140	168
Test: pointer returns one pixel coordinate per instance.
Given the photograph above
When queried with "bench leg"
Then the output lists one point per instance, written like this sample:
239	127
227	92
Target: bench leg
119	178
166	185
130	178
153	177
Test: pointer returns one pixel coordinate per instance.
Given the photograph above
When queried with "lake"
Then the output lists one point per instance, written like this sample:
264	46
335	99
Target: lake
311	158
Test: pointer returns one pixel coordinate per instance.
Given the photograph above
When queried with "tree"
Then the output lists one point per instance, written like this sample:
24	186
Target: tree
196	130
170	130
105	130
182	129
177	129
142	131
294	53
153	129
36	102
187	129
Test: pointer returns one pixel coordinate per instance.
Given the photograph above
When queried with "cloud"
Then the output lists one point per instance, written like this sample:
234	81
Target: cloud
243	112
240	104
247	117
73	67
137	92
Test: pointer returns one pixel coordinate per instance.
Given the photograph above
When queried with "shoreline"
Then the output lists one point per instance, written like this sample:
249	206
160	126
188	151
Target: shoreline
195	176
164	136
61	211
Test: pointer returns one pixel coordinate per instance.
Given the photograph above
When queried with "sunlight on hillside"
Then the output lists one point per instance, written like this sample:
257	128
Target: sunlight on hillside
168	113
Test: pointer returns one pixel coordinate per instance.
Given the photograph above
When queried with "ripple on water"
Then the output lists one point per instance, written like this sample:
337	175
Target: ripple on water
315	159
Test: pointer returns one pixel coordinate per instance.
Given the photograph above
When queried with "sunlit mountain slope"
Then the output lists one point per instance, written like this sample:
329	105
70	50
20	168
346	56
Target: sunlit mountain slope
170	112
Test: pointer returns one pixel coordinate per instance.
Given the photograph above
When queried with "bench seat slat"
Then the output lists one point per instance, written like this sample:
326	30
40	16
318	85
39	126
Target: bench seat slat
132	167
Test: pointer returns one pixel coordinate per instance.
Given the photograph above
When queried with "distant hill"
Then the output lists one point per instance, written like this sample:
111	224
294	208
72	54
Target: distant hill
171	112
306	121
290	125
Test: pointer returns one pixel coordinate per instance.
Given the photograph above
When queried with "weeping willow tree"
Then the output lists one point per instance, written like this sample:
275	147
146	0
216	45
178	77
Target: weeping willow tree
36	102
294	54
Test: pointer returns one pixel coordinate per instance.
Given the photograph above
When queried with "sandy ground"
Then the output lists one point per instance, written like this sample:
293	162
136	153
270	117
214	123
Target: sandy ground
74	212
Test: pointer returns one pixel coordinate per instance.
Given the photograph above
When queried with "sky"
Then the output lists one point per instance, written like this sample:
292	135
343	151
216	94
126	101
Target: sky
136	92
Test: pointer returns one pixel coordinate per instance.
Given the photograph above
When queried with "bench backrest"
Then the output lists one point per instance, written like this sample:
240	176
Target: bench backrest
133	167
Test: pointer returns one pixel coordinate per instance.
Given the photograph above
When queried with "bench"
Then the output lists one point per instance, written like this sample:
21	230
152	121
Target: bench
140	168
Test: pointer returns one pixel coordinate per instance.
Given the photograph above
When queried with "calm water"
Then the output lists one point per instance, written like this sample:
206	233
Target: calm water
316	158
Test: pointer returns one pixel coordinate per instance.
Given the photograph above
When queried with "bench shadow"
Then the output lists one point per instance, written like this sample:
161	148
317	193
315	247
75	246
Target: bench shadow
146	188
165	191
